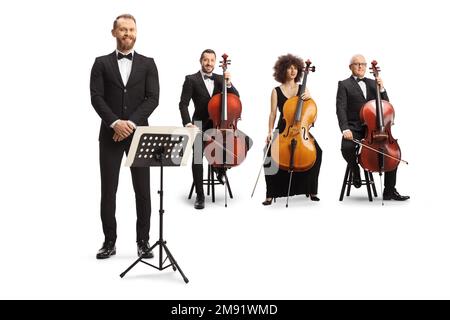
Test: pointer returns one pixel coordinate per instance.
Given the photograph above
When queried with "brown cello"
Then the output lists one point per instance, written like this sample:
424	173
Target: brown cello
226	145
379	152
294	149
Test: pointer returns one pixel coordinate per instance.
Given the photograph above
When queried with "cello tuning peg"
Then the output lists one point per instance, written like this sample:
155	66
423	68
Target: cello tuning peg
313	69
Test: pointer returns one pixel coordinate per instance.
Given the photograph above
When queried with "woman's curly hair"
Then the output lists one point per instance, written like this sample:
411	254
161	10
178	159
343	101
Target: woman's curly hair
283	63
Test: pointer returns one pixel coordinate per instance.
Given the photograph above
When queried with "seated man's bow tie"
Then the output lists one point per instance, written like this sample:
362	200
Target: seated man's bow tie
128	56
205	76
361	79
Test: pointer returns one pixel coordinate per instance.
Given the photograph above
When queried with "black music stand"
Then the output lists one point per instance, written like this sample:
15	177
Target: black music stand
160	147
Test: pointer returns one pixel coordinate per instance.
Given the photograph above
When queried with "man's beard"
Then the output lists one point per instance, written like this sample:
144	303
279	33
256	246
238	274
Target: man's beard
205	71
123	46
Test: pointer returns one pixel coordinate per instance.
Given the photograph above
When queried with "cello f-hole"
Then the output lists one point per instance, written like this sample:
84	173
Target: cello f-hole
305	136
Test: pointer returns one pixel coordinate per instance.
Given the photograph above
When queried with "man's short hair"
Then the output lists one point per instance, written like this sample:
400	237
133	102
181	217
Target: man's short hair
123	16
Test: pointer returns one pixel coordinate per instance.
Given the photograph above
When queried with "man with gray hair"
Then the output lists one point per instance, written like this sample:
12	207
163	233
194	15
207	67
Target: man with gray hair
352	94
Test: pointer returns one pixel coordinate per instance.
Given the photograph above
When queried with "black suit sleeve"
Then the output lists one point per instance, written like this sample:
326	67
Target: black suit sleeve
384	95
233	90
98	93
145	109
186	95
341	106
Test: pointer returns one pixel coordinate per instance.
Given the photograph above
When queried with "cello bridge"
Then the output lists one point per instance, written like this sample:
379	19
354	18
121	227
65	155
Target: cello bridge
380	136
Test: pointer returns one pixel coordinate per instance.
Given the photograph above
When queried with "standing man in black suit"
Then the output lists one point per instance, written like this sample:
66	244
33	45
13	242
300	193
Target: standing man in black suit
352	94
124	92
200	87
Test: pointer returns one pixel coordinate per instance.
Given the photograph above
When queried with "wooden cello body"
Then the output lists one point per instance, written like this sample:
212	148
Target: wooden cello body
378	117
229	147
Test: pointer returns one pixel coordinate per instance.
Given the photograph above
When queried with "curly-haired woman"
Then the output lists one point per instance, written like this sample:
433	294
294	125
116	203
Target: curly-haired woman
288	70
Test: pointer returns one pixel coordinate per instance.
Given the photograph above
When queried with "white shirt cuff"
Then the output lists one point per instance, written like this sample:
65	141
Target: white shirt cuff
132	123
113	124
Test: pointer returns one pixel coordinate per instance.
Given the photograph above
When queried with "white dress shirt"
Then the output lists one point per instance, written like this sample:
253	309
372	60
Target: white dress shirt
209	83
363	86
125	70
125	67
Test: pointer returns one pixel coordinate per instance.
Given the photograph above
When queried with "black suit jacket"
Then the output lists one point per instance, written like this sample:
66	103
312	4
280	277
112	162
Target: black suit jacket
113	100
350	99
194	88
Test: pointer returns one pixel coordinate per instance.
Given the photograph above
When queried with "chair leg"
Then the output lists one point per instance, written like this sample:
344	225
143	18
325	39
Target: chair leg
341	197
349	182
228	186
211	181
208	180
369	192
372	182
192	190
213	191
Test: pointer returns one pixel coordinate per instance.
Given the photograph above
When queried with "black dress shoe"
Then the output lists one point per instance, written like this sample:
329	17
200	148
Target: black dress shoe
143	250
394	196
267	202
199	202
107	250
356	177
314	198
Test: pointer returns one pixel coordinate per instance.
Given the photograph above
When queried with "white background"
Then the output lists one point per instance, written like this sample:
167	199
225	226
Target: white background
50	226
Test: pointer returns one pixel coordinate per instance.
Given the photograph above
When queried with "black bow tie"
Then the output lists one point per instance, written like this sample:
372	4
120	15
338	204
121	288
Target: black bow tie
207	77
361	79
128	56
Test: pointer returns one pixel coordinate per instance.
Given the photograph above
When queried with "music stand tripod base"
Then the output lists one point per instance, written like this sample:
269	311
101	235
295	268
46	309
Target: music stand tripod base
163	147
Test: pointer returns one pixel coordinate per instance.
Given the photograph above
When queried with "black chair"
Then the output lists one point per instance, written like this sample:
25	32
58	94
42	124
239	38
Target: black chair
211	181
367	181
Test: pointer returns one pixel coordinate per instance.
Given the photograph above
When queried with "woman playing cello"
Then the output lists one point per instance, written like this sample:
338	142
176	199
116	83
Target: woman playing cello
288	70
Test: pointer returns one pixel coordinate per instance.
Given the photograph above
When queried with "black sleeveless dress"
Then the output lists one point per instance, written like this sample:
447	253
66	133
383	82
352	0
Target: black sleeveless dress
277	180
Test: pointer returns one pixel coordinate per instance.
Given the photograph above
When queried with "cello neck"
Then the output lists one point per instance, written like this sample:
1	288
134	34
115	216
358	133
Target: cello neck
379	105
298	111
224	111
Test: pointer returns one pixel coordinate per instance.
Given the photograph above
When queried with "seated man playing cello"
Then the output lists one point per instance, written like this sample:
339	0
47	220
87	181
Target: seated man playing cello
352	94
